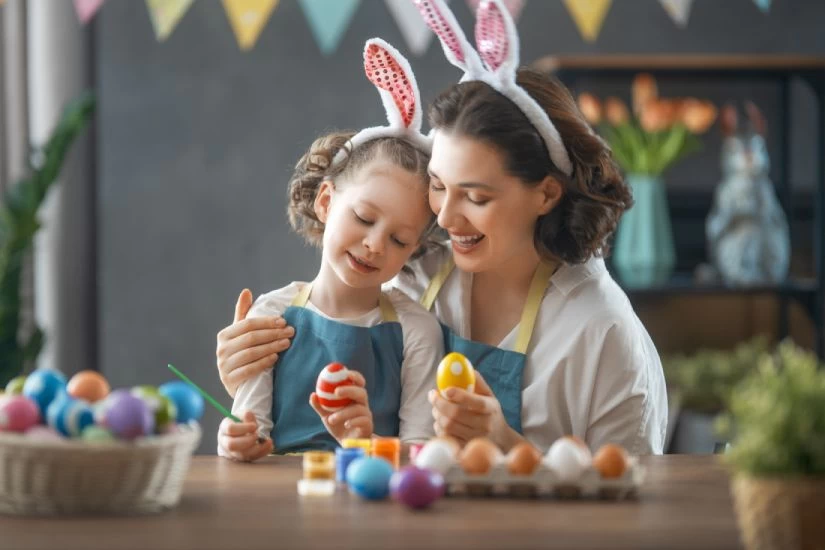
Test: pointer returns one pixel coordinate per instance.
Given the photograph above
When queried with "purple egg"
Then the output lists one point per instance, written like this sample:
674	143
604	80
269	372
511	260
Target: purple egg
127	416
416	487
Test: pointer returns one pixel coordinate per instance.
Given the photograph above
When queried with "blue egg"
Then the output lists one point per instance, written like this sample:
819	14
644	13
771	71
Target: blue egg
188	401
69	416
42	386
369	477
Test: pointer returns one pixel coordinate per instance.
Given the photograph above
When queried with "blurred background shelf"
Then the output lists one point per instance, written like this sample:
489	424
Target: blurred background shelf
804	208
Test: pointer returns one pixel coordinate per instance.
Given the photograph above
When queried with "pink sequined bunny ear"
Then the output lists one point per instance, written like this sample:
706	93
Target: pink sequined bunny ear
456	47
497	39
391	74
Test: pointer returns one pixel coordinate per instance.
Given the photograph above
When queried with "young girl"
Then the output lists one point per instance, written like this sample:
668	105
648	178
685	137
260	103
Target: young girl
529	196
363	199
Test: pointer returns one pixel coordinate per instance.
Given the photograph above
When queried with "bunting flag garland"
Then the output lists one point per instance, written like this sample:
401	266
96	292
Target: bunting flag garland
86	9
764	5
679	10
166	14
513	6
328	20
588	15
248	19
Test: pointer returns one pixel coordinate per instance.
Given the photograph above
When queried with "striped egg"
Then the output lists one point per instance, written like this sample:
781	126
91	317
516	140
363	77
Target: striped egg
334	375
455	371
69	416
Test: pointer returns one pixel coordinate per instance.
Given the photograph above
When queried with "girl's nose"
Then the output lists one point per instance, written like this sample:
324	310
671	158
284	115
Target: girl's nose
374	242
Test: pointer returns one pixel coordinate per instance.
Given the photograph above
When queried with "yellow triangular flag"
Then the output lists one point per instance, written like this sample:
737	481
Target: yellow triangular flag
588	15
166	14
248	18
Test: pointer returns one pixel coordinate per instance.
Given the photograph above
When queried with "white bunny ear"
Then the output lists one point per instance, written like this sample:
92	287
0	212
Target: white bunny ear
391	73
456	47
497	39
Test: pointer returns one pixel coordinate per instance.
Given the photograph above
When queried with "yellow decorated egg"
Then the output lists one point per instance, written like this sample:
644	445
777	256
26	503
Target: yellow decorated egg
455	371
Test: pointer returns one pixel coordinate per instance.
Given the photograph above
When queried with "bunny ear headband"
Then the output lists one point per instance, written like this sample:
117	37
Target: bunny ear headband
495	62
390	72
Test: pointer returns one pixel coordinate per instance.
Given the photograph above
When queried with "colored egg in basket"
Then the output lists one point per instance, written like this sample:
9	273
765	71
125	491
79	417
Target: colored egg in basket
187	401
125	415
162	407
42	386
69	416
88	385
18	414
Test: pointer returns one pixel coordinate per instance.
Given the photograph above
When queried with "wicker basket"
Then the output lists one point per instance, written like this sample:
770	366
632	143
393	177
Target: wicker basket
780	514
43	477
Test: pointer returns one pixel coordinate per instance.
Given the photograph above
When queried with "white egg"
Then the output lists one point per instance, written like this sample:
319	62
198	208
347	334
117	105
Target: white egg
567	459
437	456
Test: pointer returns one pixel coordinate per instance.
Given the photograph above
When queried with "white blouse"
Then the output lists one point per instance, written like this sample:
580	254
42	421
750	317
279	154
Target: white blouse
423	349
591	370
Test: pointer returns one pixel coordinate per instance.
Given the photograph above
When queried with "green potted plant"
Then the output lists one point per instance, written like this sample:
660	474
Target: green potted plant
18	226
778	453
700	386
658	133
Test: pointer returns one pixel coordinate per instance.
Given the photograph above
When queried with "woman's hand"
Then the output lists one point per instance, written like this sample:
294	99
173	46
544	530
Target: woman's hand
240	440
248	346
354	420
464	415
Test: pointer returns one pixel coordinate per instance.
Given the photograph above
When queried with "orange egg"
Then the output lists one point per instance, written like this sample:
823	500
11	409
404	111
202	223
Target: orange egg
479	456
523	459
610	461
88	385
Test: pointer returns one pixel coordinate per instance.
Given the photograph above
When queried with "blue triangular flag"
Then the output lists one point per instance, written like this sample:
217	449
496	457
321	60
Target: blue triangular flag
764	5
328	20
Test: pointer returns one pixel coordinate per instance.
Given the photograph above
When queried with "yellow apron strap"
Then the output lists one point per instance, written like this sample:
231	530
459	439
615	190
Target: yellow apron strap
428	299
388	314
301	299
541	279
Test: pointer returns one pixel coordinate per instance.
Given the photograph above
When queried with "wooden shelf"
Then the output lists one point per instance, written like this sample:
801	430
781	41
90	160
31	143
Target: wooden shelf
709	62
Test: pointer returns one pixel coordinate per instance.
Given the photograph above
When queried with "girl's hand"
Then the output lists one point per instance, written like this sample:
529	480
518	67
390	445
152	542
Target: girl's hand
239	440
354	420
464	415
249	346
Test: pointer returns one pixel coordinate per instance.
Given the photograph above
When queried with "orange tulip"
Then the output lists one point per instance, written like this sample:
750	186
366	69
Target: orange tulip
657	115
698	115
615	111
644	91
590	107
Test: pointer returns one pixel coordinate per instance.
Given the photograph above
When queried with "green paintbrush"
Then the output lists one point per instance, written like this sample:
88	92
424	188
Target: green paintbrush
205	395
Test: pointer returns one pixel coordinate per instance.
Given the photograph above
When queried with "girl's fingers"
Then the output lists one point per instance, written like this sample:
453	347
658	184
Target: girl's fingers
260	450
239	444
356	393
357	378
236	429
362	423
316	406
347	413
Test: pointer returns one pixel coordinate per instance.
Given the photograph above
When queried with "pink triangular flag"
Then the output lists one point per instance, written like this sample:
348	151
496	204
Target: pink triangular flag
86	9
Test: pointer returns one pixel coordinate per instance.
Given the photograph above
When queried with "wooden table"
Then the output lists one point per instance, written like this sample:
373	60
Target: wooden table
684	503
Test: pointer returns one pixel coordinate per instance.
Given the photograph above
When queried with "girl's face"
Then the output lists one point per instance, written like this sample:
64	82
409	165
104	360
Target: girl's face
373	223
489	214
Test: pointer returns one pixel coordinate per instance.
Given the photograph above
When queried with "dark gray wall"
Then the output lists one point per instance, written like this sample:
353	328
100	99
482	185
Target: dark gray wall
196	141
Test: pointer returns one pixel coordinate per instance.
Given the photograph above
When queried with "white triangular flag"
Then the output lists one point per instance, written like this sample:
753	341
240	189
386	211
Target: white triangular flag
415	31
679	10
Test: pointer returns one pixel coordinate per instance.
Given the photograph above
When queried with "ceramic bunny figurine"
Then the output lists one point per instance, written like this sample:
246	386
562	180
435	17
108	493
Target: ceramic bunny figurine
747	231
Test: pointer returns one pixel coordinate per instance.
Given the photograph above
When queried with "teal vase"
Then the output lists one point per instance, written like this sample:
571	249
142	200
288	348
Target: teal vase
643	254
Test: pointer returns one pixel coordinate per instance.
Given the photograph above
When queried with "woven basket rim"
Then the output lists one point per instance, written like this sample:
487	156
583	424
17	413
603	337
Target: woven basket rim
186	432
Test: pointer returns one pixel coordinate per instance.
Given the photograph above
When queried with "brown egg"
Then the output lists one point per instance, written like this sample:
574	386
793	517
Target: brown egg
523	459
88	385
479	456
610	461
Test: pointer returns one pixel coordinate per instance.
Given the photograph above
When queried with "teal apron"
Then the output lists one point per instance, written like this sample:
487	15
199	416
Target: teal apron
502	369
376	352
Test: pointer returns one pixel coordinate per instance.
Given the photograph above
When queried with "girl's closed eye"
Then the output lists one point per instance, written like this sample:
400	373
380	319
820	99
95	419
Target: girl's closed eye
399	242
362	219
477	199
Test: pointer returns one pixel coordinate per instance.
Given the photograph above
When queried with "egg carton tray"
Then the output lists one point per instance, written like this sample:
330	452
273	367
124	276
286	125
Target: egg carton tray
544	482
48	477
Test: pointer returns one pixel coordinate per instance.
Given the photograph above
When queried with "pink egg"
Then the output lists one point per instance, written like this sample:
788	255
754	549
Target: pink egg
18	414
334	375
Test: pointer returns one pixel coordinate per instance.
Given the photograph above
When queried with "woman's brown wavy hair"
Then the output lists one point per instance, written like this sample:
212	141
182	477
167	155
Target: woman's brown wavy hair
594	196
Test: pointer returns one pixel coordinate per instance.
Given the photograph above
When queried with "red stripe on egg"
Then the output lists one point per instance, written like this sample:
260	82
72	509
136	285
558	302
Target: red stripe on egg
329	387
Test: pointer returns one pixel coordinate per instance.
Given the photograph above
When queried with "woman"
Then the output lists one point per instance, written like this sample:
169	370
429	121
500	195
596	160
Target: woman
529	197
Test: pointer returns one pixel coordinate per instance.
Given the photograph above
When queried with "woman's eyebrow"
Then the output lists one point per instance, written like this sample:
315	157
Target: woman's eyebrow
467	184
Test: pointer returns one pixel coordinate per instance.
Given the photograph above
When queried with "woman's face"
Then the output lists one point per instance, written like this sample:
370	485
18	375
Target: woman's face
489	213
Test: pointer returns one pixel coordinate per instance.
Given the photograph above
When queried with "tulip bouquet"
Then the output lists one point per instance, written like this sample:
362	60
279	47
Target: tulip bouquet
658	133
